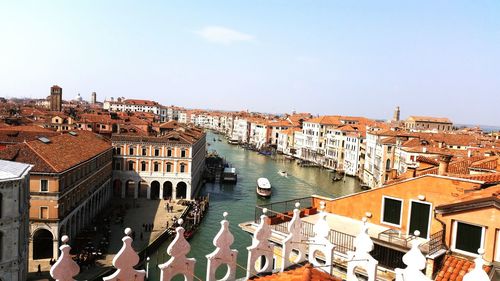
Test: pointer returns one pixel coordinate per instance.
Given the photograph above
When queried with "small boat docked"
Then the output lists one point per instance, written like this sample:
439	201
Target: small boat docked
233	141
229	175
264	187
283	173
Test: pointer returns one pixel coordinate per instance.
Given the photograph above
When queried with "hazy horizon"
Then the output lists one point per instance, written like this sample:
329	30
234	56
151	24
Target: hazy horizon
324	57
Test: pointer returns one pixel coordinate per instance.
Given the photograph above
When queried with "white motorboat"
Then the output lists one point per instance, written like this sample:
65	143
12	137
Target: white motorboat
283	173
264	187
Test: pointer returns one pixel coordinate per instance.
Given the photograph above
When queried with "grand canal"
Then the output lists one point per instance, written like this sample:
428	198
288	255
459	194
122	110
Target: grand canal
240	199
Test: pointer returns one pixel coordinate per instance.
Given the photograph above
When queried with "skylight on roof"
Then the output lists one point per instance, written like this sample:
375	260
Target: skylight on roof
44	139
73	133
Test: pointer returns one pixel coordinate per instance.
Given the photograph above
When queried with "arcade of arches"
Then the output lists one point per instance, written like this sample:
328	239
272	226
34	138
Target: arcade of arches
154	190
45	236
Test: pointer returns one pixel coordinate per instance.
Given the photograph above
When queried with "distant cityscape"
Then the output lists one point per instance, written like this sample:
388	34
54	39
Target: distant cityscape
430	186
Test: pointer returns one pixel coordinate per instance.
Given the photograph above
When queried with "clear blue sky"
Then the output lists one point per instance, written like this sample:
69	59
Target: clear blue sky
437	58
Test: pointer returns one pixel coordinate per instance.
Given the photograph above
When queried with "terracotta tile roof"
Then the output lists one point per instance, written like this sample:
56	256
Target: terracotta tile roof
61	153
427	160
455	268
303	273
487	178
326	120
429	119
19	134
140	102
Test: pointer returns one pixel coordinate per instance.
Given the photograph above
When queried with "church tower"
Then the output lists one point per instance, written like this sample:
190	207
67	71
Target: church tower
397	114
55	98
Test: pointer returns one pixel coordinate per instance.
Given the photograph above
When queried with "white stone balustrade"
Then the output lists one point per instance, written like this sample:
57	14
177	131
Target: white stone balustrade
478	273
361	256
178	262
65	267
124	262
415	262
223	254
294	241
320	244
261	247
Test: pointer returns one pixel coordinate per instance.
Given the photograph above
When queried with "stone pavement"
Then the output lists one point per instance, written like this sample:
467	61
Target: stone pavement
139	211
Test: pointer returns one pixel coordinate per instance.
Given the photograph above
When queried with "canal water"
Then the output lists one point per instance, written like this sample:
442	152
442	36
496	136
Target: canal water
240	199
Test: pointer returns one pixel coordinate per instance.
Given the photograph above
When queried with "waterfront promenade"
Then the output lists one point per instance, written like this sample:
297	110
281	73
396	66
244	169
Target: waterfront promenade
138	212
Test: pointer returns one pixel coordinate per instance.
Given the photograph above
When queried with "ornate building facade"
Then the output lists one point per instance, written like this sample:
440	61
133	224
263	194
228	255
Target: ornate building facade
169	165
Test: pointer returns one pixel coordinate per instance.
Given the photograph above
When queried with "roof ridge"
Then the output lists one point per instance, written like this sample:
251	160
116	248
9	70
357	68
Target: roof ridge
43	158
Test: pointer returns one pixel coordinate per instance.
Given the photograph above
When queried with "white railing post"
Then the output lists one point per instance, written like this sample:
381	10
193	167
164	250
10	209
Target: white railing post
361	256
261	247
178	262
124	262
65	267
321	244
415	262
478	273
223	254
294	241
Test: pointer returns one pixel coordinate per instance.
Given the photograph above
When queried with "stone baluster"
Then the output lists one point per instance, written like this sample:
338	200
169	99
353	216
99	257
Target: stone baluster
178	262
124	262
361	256
261	247
294	241
415	262
478	273
65	267
321	243
223	254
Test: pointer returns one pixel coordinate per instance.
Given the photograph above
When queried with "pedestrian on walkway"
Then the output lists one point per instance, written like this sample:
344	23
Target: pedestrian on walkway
39	272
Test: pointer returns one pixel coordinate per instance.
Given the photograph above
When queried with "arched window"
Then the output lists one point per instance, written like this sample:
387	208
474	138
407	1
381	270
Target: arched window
183	153
144	151
388	164
156	166
131	151
183	168
143	166
157	151
169	167
130	165
169	152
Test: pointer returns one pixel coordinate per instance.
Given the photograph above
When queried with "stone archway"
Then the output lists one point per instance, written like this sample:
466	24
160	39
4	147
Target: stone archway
117	188
43	244
130	189
181	190
143	189
167	189
154	192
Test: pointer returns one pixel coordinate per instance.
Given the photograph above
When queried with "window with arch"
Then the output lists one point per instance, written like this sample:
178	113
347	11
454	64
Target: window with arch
388	164
156	166
183	153
183	168
144	151
143	166
169	167
131	151
157	151
169	152
118	150
130	165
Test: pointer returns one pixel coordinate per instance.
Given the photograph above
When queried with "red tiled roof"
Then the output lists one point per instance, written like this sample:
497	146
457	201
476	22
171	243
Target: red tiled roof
429	119
303	273
455	268
61	153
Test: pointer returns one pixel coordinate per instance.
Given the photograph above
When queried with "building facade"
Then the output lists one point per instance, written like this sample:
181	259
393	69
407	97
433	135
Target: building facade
154	167
14	220
70	183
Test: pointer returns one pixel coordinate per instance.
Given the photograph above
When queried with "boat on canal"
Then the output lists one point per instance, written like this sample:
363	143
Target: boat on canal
229	175
283	173
233	141
264	187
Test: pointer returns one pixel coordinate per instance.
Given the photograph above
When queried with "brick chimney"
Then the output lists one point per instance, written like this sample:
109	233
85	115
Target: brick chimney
444	162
